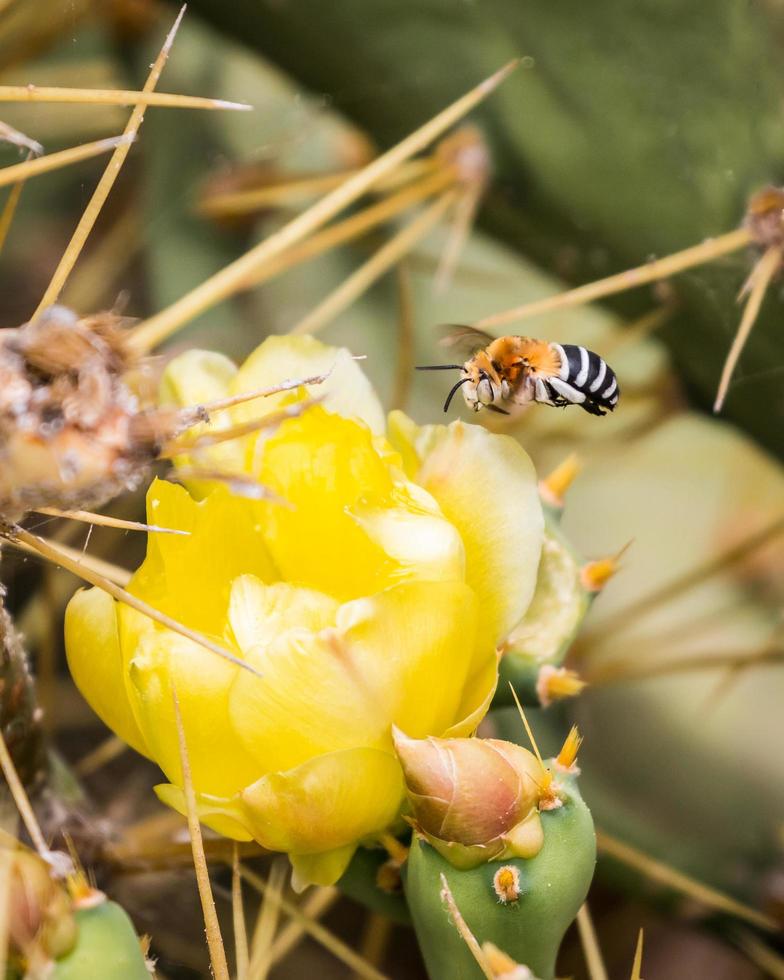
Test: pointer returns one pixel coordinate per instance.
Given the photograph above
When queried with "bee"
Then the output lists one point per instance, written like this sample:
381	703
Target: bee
521	370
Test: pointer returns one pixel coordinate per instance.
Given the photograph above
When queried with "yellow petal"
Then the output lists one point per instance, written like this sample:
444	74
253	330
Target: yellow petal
415	646
221	815
163	661
92	646
348	497
320	869
323	465
402	656
485	484
195	378
310	699
477	697
413	532
346	391
189	577
260	614
329	802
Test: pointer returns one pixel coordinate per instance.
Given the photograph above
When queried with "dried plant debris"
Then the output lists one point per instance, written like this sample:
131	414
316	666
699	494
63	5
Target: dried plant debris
20	716
71	430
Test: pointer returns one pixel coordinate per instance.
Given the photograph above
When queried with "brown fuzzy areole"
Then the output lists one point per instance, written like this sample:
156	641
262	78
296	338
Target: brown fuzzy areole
71	432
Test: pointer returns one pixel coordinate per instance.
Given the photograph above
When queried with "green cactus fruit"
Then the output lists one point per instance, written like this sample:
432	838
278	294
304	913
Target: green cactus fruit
529	929
107	947
534	651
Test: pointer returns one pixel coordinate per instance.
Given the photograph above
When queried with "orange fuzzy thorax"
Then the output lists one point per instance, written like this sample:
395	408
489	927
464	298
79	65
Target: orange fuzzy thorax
511	358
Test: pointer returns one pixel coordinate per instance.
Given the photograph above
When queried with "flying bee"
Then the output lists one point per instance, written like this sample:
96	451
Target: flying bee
521	370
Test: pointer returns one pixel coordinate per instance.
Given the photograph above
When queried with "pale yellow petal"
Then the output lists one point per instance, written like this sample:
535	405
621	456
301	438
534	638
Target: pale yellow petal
189	577
320	869
346	391
413	532
92	647
259	614
164	661
477	698
224	816
330	802
309	700
485	484
198	377
415	646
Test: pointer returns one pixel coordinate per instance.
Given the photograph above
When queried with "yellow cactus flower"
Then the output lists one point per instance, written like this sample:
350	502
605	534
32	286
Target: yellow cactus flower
371	592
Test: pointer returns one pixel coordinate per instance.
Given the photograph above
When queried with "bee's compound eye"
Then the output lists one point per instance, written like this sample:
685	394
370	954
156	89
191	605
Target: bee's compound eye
484	392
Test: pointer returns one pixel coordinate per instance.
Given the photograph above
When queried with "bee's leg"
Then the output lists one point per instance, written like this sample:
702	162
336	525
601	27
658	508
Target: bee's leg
544	393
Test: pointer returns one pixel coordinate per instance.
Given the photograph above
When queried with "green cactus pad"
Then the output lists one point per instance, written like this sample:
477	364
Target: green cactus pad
107	948
553	887
546	632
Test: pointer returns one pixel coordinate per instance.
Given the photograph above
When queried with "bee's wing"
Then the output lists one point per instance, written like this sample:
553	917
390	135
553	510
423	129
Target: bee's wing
463	340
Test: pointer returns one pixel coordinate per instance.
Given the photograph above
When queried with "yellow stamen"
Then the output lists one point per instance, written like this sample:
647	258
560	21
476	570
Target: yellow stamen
554	486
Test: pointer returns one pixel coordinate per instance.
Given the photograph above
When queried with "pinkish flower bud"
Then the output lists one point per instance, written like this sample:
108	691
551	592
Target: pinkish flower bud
474	799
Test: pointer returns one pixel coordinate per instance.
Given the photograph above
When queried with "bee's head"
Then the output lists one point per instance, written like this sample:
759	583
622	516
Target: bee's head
482	388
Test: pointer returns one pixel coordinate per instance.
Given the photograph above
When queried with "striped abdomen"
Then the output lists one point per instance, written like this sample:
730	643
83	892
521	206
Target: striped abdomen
584	379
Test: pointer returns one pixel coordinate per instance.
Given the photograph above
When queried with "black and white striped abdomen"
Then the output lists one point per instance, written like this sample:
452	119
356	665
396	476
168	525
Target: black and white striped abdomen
585	379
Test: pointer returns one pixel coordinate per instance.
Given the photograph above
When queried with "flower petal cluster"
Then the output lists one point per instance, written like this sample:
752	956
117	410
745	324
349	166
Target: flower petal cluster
370	590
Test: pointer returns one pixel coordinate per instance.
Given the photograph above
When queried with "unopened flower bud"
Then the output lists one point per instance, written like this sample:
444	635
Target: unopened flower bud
41	925
475	800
